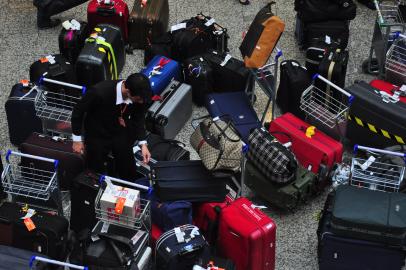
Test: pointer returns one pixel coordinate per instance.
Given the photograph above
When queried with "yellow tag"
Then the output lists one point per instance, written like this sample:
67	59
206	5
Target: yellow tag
97	29
119	205
29	224
310	131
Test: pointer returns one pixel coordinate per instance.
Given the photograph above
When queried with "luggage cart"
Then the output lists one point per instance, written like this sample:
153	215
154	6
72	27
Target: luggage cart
54	108
396	61
54	262
375	175
34	185
389	21
325	106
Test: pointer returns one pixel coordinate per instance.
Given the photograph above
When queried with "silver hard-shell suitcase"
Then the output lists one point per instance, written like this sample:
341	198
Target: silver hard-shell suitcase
167	116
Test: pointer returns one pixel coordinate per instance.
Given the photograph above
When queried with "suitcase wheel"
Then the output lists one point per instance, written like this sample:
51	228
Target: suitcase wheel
370	67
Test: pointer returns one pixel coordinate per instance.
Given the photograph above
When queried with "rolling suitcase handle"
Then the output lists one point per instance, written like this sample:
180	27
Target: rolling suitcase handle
43	79
356	147
10	152
110	179
49	261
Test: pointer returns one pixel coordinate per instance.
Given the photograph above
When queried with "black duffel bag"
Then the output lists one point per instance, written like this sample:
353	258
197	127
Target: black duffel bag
324	10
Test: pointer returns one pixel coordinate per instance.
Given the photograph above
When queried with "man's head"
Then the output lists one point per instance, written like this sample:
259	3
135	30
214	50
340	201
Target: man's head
138	87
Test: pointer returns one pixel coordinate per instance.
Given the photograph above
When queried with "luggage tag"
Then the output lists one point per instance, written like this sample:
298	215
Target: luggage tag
210	22
178	26
226	59
327	40
67	25
75	25
179	235
29	224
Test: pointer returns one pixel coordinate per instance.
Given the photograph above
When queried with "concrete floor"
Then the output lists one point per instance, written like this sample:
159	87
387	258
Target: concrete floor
21	44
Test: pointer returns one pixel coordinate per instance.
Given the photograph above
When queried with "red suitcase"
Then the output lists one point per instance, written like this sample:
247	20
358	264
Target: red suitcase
206	216
388	88
155	234
247	236
325	151
109	11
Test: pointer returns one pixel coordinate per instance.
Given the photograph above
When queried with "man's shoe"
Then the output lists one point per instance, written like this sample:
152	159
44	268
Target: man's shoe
368	3
48	24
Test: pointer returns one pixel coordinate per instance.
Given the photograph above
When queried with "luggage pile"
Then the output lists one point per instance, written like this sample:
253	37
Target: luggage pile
191	214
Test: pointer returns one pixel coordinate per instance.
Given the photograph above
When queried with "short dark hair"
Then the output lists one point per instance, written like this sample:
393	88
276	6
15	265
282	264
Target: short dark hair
139	85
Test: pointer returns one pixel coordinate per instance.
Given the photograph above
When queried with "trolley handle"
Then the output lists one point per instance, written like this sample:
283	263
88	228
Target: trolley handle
279	53
43	79
356	147
398	34
49	261
10	152
350	97
113	179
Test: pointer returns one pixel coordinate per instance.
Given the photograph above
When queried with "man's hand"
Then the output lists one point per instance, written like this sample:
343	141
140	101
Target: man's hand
78	147
146	155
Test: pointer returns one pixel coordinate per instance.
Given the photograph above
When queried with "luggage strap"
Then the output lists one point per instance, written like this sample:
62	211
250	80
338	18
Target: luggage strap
376	130
100	41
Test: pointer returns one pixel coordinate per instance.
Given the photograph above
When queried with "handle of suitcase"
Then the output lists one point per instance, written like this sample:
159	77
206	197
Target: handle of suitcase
54	262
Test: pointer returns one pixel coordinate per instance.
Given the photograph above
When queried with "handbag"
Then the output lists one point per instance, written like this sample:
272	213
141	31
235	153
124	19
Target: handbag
270	157
218	145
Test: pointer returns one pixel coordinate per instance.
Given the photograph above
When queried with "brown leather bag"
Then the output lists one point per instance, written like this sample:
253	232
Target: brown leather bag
261	38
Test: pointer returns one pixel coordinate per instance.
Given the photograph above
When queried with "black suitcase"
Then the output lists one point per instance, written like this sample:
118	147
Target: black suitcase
374	121
229	73
323	10
369	215
19	259
294	80
174	255
101	60
55	67
342	253
187	180
71	41
70	164
336	30
85	188
48	238
315	52
21	115
197	72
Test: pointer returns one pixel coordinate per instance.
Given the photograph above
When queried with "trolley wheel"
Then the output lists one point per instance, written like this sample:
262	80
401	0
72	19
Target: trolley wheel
370	67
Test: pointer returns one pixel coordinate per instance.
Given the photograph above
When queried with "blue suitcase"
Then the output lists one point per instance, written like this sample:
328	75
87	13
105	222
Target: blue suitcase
20	111
237	107
342	253
161	71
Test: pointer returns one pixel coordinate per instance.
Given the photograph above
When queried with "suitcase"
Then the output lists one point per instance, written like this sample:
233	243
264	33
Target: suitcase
209	260
187	180
101	59
70	164
321	10
170	214
316	51
342	253
376	118
161	71
369	215
333	67
147	22
171	254
161	46
109	12
261	38
54	67
237	107
167	116
198	73
389	88
49	237
294	80
336	30
84	190
229	73
72	39
247	236
326	152
285	197
19	259
21	114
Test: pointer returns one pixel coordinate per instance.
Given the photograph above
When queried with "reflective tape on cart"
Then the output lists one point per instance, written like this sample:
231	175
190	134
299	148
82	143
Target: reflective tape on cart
376	130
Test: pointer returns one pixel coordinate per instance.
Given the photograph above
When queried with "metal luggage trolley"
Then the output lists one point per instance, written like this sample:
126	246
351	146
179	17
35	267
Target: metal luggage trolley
389	21
37	186
396	61
376	175
54	262
54	108
325	106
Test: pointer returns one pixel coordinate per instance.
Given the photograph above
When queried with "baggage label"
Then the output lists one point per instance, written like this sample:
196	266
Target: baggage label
120	205
178	27
29	224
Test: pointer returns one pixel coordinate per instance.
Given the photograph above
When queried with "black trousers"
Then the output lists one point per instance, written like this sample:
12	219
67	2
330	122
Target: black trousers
48	8
97	150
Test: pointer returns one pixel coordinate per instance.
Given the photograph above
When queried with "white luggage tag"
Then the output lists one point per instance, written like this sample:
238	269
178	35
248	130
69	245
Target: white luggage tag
179	235
210	22
67	25
30	213
51	59
75	25
178	26
367	163
327	39
226	59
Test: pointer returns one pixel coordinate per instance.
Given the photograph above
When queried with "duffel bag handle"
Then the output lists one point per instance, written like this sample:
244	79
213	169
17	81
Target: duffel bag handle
49	261
376	150
80	87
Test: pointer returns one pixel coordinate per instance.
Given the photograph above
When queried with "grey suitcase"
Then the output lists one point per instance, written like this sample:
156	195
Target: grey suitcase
168	115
